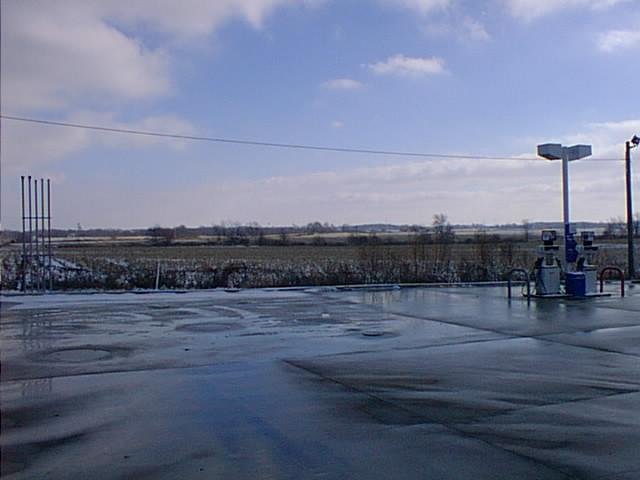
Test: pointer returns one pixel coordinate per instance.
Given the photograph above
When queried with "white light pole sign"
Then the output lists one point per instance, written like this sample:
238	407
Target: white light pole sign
555	151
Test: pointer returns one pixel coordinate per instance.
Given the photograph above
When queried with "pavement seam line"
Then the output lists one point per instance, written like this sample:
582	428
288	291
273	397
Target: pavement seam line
517	335
447	426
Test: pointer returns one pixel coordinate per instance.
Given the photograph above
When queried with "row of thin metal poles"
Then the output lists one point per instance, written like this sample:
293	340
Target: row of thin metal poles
36	236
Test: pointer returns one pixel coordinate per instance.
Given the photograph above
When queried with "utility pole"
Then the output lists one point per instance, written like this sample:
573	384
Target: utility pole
24	240
627	163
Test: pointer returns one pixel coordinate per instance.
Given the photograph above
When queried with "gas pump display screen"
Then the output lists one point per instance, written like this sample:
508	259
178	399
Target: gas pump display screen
549	236
588	236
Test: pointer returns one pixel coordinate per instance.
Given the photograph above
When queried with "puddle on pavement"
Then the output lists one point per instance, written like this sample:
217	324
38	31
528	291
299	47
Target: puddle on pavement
78	355
81	354
378	333
208	327
72	327
159	307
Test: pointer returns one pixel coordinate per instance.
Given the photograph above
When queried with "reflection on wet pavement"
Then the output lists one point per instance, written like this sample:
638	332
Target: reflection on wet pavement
400	383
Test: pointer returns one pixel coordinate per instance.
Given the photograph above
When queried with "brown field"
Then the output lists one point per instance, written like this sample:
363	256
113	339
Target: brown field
103	264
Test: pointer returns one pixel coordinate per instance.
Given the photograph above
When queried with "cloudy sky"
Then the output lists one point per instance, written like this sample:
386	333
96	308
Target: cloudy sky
472	77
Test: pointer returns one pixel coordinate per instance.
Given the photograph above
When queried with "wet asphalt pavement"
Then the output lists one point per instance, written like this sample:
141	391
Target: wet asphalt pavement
429	383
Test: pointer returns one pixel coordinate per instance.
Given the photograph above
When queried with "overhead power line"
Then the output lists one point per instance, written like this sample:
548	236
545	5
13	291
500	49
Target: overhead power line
257	143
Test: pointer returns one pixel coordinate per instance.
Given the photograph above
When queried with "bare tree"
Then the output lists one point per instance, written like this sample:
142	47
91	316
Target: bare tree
526	229
284	237
443	238
419	254
615	227
442	229
161	236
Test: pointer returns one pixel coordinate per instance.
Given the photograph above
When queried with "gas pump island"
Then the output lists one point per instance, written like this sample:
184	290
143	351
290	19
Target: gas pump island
547	267
580	272
581	282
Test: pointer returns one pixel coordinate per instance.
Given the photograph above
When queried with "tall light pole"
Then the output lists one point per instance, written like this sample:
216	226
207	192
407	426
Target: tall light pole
633	143
555	151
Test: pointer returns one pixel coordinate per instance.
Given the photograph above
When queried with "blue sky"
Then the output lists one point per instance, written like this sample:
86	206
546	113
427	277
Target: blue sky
491	77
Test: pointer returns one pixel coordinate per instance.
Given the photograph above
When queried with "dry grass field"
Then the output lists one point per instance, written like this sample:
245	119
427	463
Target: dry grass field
102	264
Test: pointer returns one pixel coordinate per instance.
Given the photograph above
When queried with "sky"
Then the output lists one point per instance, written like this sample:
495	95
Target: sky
466	77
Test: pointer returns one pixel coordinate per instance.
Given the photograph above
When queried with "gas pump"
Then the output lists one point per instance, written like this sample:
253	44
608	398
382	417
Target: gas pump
586	262
547	266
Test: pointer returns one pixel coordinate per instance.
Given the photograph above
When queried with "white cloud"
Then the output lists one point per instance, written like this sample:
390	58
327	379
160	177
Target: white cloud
27	145
464	30
498	191
75	58
342	84
400	191
59	54
607	138
448	18
618	40
474	30
409	66
422	7
403	192
193	17
531	9
52	56
337	124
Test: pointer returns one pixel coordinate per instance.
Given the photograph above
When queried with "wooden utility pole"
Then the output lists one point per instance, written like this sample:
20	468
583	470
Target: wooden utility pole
630	252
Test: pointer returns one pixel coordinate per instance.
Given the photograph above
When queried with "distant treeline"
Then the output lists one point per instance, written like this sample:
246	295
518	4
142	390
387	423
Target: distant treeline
232	233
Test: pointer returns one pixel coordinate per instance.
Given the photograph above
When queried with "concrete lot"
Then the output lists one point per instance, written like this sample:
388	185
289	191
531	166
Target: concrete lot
436	383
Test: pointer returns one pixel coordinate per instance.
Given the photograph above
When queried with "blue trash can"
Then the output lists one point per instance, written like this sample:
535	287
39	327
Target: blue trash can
575	284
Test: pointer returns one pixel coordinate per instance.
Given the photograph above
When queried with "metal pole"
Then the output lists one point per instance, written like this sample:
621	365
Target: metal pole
24	239
565	204
30	238
43	238
630	252
49	231
37	249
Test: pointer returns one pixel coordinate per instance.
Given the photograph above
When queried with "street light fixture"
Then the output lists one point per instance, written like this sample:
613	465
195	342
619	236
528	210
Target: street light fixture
633	143
556	151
